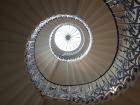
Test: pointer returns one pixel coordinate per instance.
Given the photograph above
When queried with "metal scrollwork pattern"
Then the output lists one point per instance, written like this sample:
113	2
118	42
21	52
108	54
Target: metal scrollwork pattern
121	75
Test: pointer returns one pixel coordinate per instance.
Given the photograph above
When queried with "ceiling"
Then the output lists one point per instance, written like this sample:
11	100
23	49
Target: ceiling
18	18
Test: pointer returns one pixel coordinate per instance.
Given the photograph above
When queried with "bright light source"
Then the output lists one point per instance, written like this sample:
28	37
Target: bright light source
68	37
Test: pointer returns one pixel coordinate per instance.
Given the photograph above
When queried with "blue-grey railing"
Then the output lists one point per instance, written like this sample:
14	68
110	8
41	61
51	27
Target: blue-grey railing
119	77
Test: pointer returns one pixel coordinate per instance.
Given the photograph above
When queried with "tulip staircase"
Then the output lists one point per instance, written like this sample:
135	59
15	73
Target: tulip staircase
69	52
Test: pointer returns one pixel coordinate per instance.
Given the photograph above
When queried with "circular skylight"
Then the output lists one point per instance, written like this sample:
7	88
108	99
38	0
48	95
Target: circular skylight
67	37
67	40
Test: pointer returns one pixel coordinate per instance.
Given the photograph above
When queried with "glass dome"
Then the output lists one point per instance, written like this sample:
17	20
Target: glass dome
67	37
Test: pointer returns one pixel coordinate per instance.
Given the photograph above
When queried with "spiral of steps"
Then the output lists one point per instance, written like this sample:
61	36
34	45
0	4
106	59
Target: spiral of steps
19	20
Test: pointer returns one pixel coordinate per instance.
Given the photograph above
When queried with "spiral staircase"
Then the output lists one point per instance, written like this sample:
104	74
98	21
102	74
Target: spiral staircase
103	68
